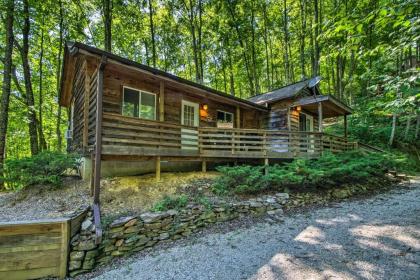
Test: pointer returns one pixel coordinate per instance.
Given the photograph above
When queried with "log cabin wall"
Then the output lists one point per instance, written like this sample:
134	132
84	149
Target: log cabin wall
116	77
278	118
77	110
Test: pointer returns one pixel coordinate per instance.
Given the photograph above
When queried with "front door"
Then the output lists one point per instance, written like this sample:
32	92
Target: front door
189	117
306	124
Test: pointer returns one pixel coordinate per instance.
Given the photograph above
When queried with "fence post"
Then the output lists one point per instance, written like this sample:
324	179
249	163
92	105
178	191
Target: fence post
65	240
266	166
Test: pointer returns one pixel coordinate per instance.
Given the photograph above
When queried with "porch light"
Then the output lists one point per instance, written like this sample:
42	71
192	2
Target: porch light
203	111
298	108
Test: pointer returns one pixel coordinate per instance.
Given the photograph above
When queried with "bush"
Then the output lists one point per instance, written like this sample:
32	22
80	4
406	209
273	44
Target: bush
43	168
239	179
327	171
171	202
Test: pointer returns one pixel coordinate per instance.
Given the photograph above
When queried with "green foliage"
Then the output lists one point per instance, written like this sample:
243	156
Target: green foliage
327	171
240	179
242	50
43	168
171	202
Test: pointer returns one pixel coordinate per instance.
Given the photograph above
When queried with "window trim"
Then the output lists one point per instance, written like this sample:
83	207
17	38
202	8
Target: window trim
311	121
139	91
196	107
226	112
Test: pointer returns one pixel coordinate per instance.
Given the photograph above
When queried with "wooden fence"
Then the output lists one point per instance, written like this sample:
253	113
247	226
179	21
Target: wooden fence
130	136
35	249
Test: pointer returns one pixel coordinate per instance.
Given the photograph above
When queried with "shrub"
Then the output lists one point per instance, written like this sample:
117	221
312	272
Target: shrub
239	179
171	202
43	168
329	170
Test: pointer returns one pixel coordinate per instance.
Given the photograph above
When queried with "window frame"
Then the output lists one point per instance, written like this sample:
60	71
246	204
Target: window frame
196	110
225	112
139	91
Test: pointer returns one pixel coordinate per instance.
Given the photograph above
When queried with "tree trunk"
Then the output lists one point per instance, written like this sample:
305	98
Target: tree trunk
286	44
58	74
7	77
267	57
24	51
243	47
407	127
394	125
316	43
42	142
152	33
107	14
253	53
302	38
416	134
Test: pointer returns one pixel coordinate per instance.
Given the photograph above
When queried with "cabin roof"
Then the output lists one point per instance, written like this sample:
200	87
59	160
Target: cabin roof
284	92
74	47
333	106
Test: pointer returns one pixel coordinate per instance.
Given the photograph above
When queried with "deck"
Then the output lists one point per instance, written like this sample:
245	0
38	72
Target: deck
126	136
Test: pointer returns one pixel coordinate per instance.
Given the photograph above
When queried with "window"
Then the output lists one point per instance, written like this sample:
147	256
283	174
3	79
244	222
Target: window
139	104
188	115
305	122
224	117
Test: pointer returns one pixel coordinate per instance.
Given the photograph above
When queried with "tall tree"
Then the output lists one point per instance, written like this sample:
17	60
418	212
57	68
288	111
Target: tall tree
152	32
57	74
42	142
107	18
29	95
7	77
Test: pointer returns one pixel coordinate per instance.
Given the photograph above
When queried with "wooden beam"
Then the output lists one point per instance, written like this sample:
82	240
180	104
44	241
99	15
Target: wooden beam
345	126
289	123
238	117
204	166
64	252
266	166
320	116
98	133
86	107
157	162
162	101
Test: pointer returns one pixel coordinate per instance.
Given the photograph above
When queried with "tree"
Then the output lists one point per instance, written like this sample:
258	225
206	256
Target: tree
7	77
29	95
107	17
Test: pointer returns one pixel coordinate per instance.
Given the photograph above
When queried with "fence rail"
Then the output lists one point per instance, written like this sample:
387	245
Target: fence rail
34	249
130	136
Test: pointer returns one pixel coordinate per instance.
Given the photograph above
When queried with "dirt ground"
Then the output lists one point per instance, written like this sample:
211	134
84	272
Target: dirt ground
130	194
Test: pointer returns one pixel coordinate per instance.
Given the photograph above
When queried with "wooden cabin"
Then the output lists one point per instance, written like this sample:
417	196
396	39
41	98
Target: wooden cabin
129	118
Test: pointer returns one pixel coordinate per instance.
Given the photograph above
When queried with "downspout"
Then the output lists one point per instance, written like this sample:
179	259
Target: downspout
98	151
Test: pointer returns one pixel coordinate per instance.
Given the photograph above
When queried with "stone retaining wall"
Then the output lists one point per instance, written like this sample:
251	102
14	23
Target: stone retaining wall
131	234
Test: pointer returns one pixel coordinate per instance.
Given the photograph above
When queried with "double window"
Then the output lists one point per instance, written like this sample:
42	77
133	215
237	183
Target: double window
224	117
139	104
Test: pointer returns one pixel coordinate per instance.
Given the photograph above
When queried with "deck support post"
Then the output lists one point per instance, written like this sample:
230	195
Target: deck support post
238	117
345	126
266	166
320	127
204	166
98	131
157	168
162	102
92	174
98	151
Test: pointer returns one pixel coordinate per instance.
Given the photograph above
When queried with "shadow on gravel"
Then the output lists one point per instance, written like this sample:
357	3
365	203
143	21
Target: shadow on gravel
349	247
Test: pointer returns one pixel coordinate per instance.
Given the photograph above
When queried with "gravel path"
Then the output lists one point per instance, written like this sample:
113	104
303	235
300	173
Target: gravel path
377	238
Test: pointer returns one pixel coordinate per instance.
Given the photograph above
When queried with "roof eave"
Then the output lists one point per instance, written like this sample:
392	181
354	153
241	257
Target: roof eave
125	61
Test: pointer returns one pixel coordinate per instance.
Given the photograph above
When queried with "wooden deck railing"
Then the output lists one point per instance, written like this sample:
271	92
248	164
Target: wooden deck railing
130	136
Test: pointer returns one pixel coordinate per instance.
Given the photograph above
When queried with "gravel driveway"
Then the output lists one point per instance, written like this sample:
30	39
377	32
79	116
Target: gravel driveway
377	238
